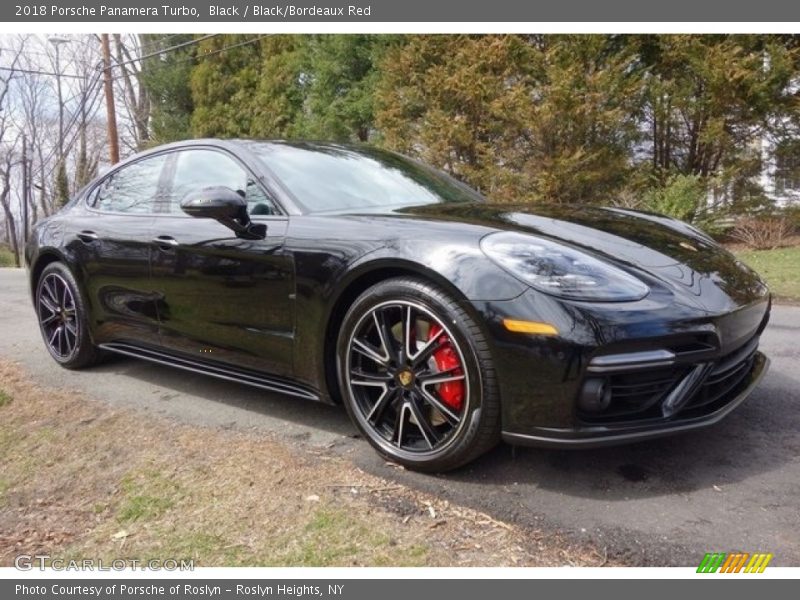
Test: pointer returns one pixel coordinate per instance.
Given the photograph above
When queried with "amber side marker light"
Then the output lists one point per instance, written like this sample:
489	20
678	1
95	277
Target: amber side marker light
532	327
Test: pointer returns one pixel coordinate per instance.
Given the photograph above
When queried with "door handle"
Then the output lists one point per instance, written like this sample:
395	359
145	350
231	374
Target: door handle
87	236
165	242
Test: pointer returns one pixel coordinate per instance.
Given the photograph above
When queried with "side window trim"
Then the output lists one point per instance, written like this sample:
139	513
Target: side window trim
90	197
170	168
165	185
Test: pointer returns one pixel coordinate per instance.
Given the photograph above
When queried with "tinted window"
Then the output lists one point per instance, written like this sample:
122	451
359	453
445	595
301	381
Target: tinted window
131	189
335	178
198	169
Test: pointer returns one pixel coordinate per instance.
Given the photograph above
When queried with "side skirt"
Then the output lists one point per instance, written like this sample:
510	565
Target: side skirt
217	370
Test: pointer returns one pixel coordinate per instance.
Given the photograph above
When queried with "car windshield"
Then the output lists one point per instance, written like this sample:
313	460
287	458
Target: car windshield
333	178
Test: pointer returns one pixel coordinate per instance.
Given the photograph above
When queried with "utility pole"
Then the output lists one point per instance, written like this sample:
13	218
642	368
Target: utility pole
111	112
24	189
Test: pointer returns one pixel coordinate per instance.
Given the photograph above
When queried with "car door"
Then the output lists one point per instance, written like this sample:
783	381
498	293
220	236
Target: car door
111	239
224	298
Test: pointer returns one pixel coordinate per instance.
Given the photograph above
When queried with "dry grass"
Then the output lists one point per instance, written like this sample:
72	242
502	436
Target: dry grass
83	480
6	257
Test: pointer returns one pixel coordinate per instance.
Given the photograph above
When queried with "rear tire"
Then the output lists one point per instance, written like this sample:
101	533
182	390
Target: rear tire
416	376
63	318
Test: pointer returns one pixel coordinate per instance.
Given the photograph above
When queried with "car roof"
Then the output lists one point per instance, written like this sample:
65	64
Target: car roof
232	143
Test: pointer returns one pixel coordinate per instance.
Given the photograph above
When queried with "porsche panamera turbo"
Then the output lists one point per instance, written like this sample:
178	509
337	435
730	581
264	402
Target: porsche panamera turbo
442	322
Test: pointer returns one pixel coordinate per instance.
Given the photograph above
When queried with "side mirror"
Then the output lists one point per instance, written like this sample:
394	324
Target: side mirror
217	202
226	206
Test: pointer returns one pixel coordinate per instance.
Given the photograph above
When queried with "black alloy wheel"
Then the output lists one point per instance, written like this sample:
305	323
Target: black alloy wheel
62	318
416	376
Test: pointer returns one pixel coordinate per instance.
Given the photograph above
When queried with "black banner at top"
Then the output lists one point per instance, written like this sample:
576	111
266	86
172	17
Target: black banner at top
204	11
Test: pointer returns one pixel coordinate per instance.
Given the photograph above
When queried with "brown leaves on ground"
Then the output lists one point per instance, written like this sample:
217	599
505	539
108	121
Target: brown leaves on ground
83	480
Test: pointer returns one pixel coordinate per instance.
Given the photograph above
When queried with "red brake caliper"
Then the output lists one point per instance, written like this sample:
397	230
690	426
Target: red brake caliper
446	359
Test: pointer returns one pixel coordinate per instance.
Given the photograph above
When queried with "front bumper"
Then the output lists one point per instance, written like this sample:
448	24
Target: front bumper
669	366
594	436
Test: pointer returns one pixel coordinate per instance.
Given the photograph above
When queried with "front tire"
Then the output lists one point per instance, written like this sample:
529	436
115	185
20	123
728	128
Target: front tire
417	377
63	318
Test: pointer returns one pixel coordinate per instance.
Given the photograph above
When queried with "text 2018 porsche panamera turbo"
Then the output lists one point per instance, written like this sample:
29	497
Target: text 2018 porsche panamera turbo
443	323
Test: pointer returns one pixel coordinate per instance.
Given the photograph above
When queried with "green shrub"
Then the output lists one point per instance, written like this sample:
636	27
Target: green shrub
685	197
682	198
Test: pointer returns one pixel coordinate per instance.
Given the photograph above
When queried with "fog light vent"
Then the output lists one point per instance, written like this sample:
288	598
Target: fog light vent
595	396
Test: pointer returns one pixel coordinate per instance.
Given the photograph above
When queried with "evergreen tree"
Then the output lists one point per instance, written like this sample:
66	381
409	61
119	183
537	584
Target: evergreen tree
342	74
521	118
224	84
166	77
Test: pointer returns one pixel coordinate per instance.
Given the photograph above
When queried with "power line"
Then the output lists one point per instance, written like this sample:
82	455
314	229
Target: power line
165	50
207	54
157	53
91	90
116	64
223	49
119	64
28	52
37	72
42	52
148	46
245	43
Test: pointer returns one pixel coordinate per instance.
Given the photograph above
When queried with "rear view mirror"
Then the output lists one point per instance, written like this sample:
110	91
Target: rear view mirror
226	206
217	202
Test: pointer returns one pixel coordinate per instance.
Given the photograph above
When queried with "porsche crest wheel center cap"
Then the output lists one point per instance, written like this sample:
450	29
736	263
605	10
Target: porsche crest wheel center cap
405	377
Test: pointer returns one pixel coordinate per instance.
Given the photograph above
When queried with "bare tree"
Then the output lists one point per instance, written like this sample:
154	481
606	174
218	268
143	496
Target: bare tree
7	151
33	96
85	65
7	163
82	142
128	73
29	108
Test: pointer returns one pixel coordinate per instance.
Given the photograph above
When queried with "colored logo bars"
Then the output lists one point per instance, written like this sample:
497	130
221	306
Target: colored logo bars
734	563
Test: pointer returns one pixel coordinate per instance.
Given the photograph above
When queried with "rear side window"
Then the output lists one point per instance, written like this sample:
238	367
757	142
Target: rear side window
131	189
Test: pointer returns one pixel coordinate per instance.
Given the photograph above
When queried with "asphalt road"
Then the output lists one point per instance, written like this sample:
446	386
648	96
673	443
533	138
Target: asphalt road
735	486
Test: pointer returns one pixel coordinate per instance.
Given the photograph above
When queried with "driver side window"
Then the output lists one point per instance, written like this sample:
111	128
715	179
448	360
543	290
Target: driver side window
201	168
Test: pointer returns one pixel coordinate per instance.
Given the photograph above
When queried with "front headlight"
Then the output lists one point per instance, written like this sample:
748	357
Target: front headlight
559	270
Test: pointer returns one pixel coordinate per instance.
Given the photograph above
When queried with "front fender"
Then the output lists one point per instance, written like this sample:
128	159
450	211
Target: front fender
460	266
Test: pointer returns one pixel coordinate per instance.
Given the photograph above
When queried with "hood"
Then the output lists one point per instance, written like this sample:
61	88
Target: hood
684	259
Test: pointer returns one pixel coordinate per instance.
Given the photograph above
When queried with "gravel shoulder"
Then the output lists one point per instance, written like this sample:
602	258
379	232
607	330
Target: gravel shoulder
82	479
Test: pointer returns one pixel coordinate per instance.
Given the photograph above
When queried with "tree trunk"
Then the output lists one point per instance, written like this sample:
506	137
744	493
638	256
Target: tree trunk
139	105
43	185
12	227
668	137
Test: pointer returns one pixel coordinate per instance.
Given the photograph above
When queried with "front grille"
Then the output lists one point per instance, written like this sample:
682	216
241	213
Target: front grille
638	395
725	378
642	395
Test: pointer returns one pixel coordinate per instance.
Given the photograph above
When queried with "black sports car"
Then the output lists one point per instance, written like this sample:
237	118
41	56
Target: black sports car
443	323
